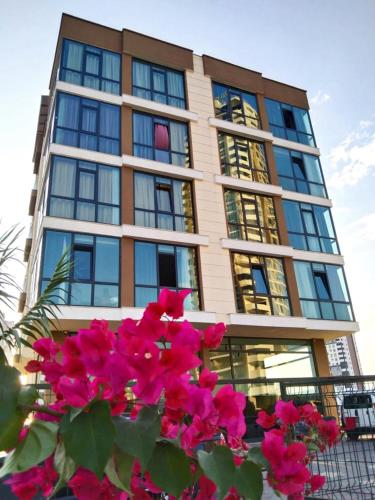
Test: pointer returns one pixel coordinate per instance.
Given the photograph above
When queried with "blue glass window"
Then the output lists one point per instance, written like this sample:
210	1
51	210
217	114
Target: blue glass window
299	172
165	266
90	67
95	275
160	139
163	203
323	291
84	190
158	83
310	227
88	124
235	105
243	158
289	122
260	285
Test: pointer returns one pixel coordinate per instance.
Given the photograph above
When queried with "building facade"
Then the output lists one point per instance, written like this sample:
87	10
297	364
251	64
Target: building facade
343	357
160	168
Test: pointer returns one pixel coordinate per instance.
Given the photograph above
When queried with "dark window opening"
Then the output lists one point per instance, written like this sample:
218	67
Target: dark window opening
289	119
259	278
167	270
322	286
299	168
82	268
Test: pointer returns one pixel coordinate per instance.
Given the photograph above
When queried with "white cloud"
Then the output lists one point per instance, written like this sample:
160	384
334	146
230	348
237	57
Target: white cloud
364	227
353	158
320	98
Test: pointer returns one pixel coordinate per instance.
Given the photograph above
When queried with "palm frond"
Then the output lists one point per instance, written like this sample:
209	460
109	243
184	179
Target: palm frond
38	320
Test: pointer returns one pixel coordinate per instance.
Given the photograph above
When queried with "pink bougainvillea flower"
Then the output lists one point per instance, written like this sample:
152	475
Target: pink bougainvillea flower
52	371
177	392
296	451
273	446
86	486
46	348
207	489
230	405
316	482
199	402
33	366
178	360
213	335
172	303
75	392
207	379
95	345
329	431
23	484
187	336
266	421
287	412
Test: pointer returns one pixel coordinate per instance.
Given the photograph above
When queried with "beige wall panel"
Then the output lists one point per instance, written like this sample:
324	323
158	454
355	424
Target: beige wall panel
215	261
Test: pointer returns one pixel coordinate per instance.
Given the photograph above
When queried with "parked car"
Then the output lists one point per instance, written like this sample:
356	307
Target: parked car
358	414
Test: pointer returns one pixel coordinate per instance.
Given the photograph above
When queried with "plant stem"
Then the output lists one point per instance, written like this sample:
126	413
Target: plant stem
41	409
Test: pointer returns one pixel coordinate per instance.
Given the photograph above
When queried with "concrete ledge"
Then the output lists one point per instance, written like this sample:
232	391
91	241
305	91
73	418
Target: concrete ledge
234	128
80	226
161	168
252	187
297	146
85	154
257	248
98	95
157	108
153	234
306	198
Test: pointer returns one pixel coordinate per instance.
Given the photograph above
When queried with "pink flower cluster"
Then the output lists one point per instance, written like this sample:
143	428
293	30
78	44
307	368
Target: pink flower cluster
157	355
287	451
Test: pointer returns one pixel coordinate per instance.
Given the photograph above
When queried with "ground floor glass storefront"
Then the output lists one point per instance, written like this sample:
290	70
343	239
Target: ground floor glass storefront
261	360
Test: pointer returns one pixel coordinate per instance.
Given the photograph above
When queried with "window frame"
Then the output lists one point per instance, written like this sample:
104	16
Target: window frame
154	122
71	281
330	301
156	211
228	113
76	198
158	287
227	167
239	296
83	72
243	228
294	178
305	234
285	128
159	69
79	131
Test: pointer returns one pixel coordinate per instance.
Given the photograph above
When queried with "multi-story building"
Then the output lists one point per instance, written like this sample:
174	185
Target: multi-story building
160	168
343	357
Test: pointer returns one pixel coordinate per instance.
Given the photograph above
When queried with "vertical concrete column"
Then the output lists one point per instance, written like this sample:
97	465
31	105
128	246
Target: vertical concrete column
321	358
215	268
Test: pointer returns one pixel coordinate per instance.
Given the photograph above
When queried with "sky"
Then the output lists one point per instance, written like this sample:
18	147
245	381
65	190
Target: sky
326	47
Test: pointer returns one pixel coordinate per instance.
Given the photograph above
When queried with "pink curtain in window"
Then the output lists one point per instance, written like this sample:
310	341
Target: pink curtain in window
161	136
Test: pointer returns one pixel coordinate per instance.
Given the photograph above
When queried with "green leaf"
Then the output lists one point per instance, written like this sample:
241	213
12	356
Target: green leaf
138	438
27	395
11	418
38	445
64	465
255	455
74	412
169	468
119	470
249	480
219	467
88	439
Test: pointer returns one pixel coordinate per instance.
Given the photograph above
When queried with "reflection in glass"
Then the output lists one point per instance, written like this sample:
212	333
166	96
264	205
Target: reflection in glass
260	285
251	217
243	158
236	106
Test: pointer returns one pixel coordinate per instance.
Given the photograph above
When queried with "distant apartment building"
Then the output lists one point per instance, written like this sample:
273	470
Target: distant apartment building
160	168
343	357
